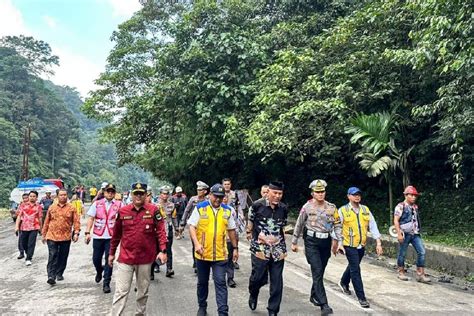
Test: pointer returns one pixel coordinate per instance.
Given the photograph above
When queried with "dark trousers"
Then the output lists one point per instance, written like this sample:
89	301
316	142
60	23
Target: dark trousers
318	252
354	257
258	278
179	217
230	262
20	244
169	248
44	217
101	249
57	260
28	241
194	256
218	275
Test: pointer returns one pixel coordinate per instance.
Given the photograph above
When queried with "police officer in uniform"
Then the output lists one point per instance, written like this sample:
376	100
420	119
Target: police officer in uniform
168	212
209	224
316	223
140	231
193	201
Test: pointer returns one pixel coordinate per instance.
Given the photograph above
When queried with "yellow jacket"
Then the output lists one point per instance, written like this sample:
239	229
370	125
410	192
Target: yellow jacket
354	226
211	231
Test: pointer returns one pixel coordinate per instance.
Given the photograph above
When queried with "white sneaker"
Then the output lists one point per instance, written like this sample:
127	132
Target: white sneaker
28	262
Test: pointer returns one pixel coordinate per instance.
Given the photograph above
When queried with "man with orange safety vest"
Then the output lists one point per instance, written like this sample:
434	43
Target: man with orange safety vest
407	223
102	215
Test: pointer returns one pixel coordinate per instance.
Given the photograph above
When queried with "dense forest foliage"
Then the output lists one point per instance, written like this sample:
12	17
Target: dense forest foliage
64	142
376	94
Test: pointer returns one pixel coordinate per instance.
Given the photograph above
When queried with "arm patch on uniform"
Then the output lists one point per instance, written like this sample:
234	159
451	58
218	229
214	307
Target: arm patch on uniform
158	216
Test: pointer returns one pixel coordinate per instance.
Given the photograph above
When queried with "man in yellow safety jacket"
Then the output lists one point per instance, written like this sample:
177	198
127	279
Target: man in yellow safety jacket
356	220
209	224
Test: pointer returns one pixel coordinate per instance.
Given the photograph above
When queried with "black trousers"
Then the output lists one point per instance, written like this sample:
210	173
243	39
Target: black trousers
20	244
57	260
218	275
28	242
230	262
354	257
101	249
258	278
318	252
169	248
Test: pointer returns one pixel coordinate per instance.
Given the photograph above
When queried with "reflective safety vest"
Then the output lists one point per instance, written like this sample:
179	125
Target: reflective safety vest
355	226
104	219
211	231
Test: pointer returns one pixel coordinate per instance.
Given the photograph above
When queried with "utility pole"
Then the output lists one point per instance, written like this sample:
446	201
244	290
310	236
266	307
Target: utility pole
26	151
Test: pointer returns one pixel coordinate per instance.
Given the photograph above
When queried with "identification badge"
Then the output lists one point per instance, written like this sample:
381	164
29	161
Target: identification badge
127	217
204	216
146	216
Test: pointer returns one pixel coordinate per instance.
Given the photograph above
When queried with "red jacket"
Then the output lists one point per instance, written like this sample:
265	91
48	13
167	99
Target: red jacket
140	233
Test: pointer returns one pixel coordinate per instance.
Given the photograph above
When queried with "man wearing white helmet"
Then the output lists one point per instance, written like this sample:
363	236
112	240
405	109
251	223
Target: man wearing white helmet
180	200
100	194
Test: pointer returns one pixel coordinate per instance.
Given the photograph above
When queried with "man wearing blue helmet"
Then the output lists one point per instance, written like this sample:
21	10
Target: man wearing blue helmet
356	220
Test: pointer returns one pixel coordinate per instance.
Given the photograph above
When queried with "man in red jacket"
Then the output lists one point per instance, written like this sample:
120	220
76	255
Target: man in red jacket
140	231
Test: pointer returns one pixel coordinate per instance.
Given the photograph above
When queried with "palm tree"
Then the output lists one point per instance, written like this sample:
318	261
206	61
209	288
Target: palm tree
379	155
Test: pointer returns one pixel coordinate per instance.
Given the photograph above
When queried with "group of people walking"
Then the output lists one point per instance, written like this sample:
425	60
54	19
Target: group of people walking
142	233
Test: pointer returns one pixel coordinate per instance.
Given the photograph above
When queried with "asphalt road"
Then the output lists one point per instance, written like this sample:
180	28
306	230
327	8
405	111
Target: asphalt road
23	290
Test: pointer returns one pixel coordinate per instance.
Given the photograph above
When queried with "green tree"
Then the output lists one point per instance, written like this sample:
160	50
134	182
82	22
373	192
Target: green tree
379	155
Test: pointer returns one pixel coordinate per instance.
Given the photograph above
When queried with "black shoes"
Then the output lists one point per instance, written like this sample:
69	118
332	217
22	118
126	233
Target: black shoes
252	302
98	277
106	288
59	278
152	277
169	273
157	269
364	303
344	288
231	283
202	311
21	256
326	309
236	265
51	281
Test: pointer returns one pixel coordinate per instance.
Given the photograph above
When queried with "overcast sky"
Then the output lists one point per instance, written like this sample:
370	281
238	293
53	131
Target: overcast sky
78	31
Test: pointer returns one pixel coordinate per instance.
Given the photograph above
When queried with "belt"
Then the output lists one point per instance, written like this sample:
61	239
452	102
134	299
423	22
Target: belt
317	235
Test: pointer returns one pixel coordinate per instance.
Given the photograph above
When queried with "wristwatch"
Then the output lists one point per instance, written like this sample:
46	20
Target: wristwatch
87	233
236	248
